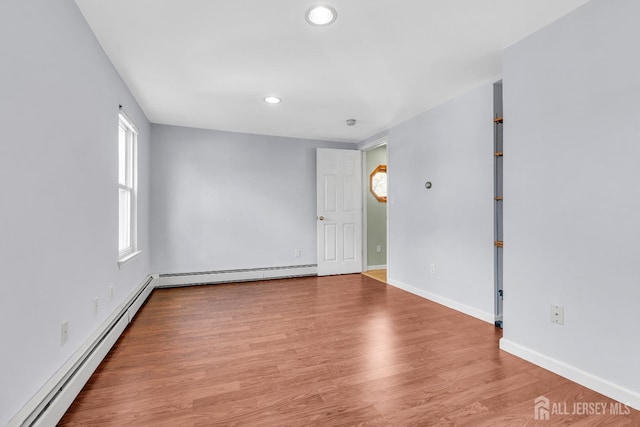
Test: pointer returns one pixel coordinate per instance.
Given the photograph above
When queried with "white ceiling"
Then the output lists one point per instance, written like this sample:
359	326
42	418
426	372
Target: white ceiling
210	63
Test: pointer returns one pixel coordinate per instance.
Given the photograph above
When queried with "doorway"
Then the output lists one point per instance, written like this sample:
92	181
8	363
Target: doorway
375	212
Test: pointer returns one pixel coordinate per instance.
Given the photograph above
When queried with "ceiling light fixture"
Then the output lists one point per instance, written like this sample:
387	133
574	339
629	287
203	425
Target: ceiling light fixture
272	100
321	15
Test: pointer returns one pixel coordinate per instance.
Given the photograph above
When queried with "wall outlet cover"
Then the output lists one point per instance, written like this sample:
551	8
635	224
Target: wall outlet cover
64	332
557	314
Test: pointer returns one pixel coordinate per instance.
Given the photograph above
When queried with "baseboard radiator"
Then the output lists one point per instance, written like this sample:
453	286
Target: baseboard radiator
51	402
232	276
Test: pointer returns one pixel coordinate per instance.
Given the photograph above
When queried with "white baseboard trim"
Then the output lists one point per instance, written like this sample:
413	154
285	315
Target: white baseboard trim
471	311
51	402
593	382
376	267
230	276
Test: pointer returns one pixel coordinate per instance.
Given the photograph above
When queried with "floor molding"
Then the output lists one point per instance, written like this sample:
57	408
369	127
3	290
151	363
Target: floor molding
471	311
607	388
51	402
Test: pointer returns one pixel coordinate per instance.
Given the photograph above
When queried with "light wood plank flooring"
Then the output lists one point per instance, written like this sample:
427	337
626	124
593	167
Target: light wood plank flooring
380	275
330	351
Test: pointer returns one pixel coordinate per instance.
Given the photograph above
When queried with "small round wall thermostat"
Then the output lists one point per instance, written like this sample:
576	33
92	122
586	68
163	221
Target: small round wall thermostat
427	185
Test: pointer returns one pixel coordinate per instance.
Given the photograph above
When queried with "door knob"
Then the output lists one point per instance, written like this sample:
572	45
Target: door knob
321	218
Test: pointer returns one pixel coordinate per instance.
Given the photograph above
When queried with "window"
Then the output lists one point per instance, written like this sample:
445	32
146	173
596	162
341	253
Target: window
378	183
127	182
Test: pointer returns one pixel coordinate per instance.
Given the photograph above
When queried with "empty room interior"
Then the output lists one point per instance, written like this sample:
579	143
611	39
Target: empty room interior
193	192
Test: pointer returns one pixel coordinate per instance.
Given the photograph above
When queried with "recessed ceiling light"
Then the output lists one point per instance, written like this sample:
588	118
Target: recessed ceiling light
272	100
321	15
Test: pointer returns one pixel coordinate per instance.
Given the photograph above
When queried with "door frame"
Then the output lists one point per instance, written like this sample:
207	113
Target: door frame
365	191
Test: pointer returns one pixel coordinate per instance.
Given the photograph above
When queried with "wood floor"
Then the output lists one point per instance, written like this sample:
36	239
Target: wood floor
380	275
331	351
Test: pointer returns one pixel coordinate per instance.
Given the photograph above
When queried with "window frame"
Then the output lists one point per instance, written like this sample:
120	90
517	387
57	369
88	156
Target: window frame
130	185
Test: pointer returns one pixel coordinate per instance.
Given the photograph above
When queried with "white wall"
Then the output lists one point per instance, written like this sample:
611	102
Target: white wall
572	197
450	225
225	200
58	168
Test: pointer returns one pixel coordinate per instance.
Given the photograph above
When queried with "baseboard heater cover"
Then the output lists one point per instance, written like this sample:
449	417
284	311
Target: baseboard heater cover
51	402
229	276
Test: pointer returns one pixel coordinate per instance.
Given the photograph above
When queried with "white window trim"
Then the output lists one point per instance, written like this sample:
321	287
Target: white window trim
132	251
125	259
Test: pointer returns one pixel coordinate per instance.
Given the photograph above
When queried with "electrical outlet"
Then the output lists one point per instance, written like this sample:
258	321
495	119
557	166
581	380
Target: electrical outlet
557	314
378	248
64	332
432	268
111	292
96	304
298	253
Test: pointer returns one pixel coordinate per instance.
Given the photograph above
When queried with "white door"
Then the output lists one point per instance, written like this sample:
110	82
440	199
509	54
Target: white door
339	192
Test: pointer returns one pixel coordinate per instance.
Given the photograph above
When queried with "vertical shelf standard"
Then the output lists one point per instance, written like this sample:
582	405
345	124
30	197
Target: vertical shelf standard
498	199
